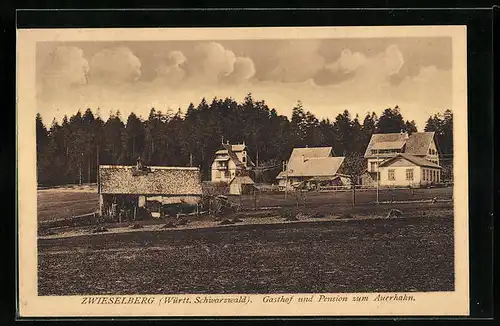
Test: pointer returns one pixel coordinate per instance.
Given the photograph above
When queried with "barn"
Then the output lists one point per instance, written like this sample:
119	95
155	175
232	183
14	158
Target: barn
126	192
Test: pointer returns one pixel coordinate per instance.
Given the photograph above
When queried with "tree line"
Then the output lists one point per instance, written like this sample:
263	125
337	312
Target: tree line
69	152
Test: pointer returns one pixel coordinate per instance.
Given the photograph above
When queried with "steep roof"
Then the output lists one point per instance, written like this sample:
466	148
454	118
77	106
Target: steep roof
161	180
311	152
413	159
312	167
416	144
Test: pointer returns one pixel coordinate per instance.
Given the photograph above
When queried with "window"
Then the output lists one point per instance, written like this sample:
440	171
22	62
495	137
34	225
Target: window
243	159
391	175
409	174
373	166
218	174
424	174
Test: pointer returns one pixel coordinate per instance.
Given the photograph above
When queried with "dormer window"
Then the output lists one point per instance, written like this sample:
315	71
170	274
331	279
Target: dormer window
243	159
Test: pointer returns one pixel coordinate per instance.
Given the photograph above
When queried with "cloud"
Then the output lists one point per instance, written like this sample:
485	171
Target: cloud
114	65
209	62
243	69
65	67
171	72
348	62
370	70
392	59
295	61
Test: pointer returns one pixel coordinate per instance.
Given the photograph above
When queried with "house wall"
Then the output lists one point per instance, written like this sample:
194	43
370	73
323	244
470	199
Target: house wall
399	168
370	166
432	154
223	175
242	156
430	175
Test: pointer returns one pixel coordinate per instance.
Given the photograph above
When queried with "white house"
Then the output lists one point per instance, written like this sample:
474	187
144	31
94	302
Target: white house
312	167
408	170
421	145
231	161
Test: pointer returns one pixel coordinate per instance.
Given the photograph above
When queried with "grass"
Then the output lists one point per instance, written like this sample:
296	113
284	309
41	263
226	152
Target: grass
57	204
409	254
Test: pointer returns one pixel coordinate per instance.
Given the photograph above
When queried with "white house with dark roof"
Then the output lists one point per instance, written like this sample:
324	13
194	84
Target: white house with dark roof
312	167
416	151
231	161
408	170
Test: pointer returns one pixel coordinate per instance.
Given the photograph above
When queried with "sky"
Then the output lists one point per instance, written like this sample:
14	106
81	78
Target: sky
327	75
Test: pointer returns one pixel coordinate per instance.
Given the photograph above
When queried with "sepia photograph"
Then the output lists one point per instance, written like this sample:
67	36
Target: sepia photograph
212	167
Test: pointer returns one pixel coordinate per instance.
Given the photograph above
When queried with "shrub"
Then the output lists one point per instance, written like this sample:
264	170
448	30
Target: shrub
182	221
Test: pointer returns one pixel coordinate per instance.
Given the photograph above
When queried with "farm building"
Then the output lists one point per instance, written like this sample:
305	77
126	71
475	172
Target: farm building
313	167
125	191
420	145
408	170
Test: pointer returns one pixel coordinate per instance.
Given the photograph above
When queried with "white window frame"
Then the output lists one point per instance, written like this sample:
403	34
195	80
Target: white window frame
391	174
409	172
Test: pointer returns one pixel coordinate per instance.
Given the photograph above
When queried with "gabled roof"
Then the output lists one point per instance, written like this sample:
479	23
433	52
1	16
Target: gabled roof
416	144
161	180
311	152
413	159
312	167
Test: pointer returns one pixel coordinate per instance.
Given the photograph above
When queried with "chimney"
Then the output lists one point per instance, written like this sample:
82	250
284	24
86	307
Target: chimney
227	142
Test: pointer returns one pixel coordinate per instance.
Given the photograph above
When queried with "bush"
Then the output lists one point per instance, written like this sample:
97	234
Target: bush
182	221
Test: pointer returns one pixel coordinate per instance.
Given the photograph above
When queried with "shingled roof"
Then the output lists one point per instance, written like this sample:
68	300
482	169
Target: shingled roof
312	167
413	159
161	180
311	152
416	144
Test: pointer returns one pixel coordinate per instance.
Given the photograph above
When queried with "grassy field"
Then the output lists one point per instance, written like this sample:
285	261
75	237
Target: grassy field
57	204
386	255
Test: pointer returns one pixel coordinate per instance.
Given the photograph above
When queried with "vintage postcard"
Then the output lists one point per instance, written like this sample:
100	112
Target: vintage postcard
312	171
